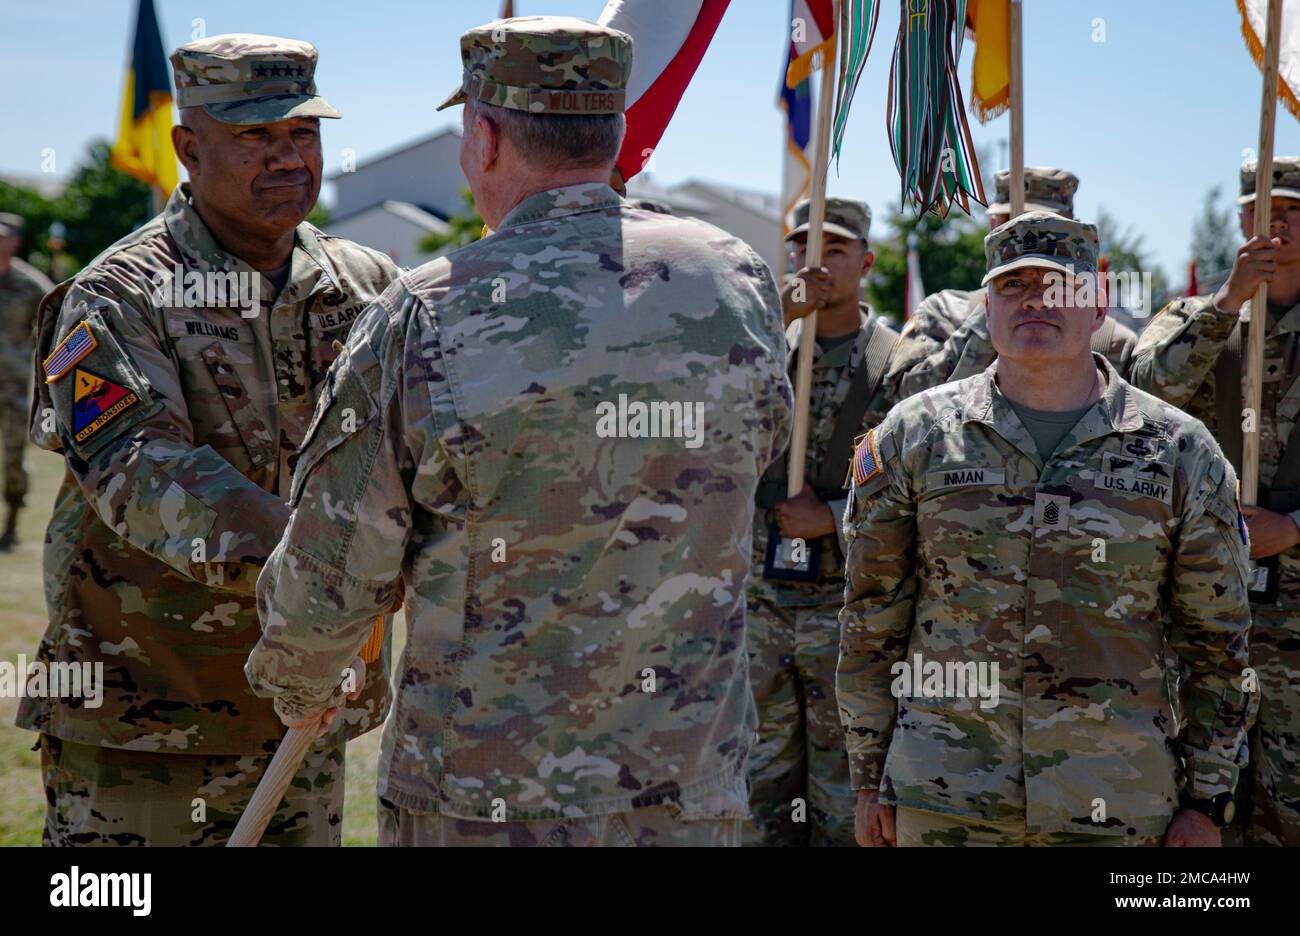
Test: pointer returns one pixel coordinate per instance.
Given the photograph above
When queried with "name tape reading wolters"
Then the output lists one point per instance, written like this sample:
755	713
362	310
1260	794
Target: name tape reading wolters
583	100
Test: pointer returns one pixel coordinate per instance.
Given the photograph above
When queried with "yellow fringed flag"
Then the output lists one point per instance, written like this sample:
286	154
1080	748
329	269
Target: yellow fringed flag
144	137
990	24
1254	18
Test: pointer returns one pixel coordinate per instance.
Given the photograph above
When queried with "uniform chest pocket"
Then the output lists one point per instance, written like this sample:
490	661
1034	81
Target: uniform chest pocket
966	517
1122	522
247	422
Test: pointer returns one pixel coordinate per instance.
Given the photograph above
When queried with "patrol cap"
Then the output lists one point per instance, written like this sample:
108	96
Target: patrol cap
1041	239
242	78
1286	179
11	225
545	65
1046	189
844	216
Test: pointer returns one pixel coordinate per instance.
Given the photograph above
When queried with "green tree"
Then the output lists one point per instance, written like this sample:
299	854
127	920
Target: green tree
319	216
1127	253
100	205
464	228
951	252
1214	236
38	211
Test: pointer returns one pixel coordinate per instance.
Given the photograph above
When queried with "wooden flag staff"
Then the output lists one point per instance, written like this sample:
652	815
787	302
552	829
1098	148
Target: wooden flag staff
271	789
1017	106
816	218
1263	216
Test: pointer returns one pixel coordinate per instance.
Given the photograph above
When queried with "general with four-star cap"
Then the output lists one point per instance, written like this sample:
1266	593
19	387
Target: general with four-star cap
181	368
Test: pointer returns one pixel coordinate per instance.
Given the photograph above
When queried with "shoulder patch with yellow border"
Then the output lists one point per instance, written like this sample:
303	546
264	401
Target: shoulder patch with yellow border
866	460
97	401
78	343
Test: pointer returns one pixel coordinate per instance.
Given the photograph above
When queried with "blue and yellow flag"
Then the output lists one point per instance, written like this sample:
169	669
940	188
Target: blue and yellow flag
144	137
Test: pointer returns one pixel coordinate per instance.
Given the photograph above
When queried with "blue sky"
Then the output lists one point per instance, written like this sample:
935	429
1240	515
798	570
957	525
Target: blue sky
1149	119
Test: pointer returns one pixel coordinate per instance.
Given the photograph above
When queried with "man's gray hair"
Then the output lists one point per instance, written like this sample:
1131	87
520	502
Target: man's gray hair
557	141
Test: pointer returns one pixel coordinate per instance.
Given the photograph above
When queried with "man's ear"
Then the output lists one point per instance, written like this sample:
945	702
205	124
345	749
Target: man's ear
868	261
184	142
1246	216
489	142
1103	303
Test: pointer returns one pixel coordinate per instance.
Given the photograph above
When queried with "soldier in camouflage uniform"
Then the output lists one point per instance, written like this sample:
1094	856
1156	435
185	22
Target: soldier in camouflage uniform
799	772
179	405
947	337
1023	544
1191	355
574	566
21	289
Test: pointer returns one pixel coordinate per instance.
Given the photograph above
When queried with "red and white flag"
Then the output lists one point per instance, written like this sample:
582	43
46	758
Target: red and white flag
669	38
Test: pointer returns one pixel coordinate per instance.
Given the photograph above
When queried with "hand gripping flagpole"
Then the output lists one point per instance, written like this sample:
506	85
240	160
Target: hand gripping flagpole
1263	217
816	218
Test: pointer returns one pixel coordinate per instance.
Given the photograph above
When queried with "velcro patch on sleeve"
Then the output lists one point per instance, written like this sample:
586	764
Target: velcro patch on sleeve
866	460
97	401
78	343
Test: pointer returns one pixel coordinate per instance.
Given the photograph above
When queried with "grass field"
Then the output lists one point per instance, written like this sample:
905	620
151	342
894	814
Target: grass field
22	621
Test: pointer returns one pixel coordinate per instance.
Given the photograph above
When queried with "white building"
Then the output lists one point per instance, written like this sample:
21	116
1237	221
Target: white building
391	201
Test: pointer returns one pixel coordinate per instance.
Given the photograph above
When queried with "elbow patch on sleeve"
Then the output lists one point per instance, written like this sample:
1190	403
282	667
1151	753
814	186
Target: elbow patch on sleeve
97	393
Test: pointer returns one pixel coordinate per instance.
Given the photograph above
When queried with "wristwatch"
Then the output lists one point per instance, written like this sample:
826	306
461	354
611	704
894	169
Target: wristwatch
1221	808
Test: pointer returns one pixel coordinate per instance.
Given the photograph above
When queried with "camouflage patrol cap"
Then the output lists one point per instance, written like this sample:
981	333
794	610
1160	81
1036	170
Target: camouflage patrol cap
545	65
1041	239
1286	179
1046	189
844	216
241	78
11	225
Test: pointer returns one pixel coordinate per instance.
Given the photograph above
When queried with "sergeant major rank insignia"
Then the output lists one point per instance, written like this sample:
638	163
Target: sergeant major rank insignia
96	401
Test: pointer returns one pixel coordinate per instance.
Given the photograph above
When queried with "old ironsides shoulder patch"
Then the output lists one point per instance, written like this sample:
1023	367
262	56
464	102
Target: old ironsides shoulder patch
97	401
866	460
78	343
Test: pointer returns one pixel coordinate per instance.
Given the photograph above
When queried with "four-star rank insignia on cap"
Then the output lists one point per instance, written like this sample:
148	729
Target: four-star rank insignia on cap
95	402
866	460
79	342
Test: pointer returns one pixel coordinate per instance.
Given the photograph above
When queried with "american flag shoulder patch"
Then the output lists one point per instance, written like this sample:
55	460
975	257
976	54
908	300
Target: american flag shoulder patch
78	343
866	460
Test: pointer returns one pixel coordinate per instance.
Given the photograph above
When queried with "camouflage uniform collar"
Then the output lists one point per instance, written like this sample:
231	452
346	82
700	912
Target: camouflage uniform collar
562	201
1115	411
310	271
840	354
